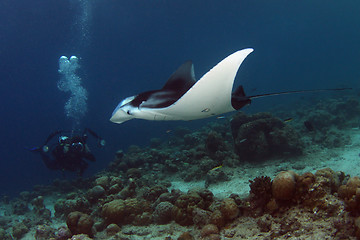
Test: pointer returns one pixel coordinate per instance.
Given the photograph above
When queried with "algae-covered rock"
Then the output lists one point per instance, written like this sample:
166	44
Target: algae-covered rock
80	237
185	236
112	229
260	191
65	206
209	229
19	230
284	185
214	142
201	217
62	233
95	193
216	176
20	207
103	181
261	136
4	235
44	232
184	206
124	211
154	192
79	223
162	213
229	209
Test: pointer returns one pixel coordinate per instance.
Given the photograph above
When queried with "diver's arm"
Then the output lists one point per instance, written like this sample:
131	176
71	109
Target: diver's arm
89	156
91	132
101	141
51	136
44	148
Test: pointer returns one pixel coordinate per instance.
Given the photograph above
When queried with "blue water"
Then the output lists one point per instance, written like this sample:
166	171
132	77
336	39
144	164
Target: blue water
127	46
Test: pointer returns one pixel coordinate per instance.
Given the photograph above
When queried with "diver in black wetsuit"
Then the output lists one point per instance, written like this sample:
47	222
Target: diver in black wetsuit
69	153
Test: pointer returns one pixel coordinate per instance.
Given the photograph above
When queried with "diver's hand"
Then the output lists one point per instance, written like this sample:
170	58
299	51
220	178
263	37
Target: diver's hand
102	143
44	149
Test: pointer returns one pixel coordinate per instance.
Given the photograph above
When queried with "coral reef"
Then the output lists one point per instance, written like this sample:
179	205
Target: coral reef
44	232
127	211
284	185
261	136
19	230
112	229
166	190
271	210
260	192
74	203
79	223
162	213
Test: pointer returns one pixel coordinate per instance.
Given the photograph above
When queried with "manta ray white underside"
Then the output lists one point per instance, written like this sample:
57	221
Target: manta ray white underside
207	97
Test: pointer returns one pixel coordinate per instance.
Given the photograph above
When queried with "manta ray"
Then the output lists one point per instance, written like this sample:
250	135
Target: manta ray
184	98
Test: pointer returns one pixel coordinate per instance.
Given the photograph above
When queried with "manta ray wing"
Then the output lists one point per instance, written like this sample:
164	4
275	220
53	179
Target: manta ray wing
209	96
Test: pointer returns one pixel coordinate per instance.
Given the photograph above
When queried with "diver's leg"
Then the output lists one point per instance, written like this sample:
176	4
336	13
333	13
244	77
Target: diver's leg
83	166
49	163
88	155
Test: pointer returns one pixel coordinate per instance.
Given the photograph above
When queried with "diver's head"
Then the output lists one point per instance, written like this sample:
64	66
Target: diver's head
63	139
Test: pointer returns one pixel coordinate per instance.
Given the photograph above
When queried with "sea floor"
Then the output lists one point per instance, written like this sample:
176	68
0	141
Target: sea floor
294	223
345	159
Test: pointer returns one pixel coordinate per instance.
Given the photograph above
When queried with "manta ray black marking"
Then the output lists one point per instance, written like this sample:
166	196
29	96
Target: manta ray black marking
184	98
177	85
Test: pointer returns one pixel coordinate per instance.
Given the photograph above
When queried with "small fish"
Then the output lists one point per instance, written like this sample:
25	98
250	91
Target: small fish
242	140
206	110
220	117
288	120
216	168
168	131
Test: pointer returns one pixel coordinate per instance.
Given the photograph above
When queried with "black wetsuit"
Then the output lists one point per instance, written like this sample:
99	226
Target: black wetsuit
68	155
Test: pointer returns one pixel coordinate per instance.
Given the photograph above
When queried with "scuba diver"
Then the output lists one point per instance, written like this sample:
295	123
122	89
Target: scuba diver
69	153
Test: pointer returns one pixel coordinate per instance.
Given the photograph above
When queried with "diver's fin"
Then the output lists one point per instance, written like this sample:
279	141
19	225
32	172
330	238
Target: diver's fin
297	91
239	99
182	79
33	149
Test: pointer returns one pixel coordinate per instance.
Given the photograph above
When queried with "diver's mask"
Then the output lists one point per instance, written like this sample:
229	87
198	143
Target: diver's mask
62	139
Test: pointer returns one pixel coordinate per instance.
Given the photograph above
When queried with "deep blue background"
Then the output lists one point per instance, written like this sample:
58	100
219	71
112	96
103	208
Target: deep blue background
134	46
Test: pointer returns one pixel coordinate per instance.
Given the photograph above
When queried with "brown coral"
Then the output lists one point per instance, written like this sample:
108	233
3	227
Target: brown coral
303	184
260	191
182	212
351	195
260	136
217	219
349	190
229	209
209	229
112	229
79	223
284	185
103	181
124	211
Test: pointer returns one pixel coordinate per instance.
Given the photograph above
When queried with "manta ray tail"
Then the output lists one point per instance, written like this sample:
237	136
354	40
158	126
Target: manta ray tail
239	99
